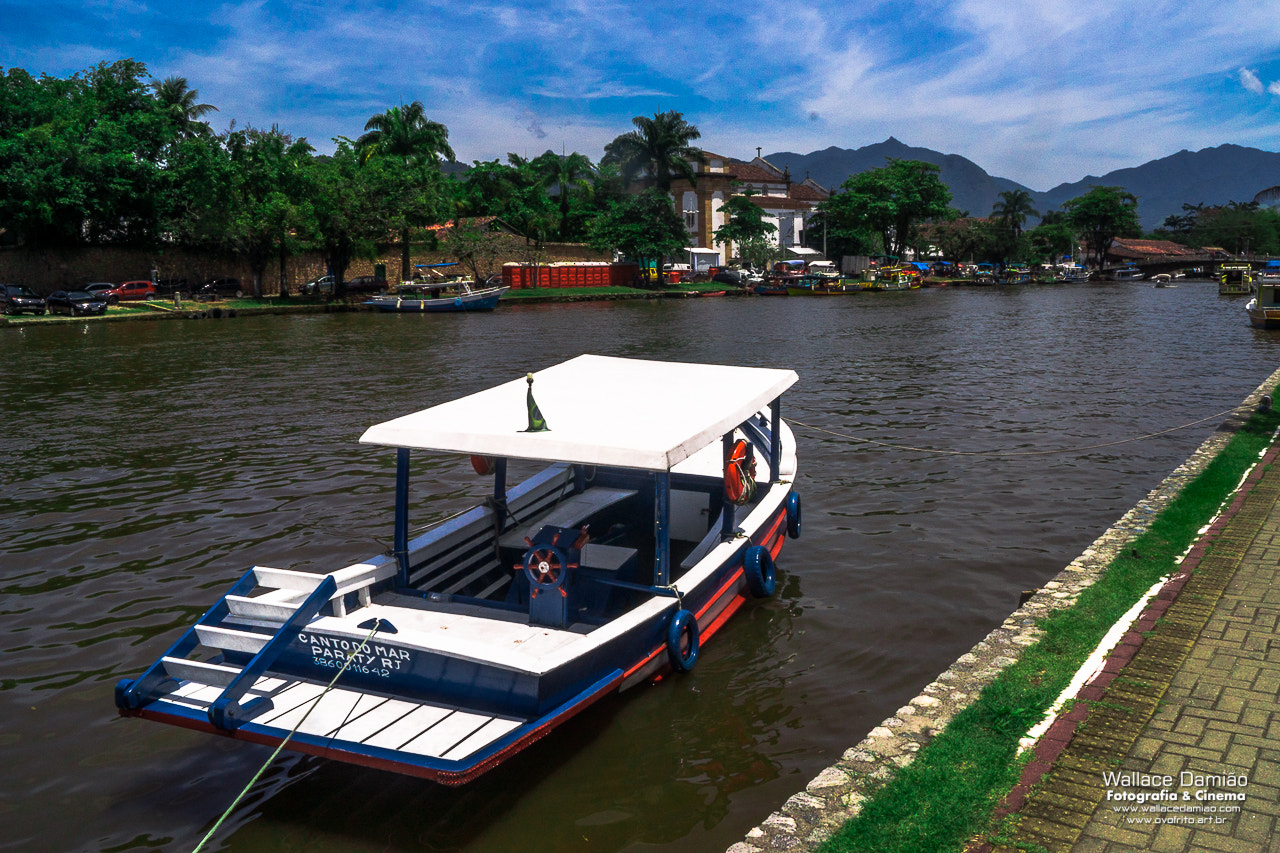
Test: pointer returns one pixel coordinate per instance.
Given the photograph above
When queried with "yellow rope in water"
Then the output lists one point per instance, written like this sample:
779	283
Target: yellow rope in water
377	623
1003	452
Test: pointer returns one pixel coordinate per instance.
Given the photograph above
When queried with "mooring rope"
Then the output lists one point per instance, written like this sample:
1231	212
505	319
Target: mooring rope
939	452
377	623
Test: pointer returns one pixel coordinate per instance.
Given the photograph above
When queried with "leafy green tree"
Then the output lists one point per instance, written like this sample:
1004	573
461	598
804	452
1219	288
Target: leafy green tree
888	202
271	203
643	227
1051	241
1101	215
568	175
1241	228
959	238
658	150
744	223
347	209
476	244
405	134
759	251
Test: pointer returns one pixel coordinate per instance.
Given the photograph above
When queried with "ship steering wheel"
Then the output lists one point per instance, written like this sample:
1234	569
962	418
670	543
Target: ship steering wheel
545	566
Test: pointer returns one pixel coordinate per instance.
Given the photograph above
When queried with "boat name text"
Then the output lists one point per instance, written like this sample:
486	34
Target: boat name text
368	658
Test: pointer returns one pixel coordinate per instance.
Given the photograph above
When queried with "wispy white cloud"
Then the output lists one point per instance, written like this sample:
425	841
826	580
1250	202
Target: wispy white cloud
1251	81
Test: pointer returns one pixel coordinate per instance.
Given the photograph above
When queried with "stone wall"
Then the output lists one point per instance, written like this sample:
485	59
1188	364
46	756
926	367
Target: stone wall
65	269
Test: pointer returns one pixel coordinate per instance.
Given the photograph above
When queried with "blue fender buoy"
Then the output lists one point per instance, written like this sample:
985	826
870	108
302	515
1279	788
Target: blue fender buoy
682	640
793	515
758	566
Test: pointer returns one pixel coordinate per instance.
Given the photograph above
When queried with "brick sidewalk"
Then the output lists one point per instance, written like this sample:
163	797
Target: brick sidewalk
1189	697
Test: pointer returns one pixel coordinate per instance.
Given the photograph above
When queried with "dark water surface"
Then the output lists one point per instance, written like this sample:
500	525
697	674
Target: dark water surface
148	465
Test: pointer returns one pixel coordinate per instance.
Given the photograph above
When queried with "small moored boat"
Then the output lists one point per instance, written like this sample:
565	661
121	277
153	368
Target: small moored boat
1235	280
662	495
443	296
1264	308
1125	274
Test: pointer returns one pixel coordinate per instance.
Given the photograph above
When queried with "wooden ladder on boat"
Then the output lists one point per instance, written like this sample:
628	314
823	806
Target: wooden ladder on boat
279	601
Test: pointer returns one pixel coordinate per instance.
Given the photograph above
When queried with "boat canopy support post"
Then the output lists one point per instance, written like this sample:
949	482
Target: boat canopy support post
500	494
400	544
662	528
775	438
728	518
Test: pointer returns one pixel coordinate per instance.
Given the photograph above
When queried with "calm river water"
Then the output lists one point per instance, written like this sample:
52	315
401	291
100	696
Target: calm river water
148	465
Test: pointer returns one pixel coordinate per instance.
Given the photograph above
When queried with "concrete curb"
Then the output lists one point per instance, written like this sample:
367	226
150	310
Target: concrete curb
836	794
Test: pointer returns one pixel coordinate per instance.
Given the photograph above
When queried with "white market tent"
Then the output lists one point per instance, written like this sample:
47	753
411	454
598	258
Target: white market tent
600	410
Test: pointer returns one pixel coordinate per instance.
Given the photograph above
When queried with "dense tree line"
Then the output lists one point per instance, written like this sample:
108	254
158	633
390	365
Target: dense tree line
904	206
109	156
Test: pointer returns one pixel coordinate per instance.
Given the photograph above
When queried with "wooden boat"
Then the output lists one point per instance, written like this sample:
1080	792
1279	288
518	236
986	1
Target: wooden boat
896	278
1235	280
441	296
821	285
1264	308
1016	274
1124	274
643	534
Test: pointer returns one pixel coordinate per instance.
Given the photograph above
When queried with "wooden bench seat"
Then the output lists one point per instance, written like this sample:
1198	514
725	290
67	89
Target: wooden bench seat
570	512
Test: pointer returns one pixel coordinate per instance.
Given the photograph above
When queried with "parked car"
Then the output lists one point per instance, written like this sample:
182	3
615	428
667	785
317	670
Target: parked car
737	278
170	286
130	291
215	287
17	298
318	286
76	303
98	287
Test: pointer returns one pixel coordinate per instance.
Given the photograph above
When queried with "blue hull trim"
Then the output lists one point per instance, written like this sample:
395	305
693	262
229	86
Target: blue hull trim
442	305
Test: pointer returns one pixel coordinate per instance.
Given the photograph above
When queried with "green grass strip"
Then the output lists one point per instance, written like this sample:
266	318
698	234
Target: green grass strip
946	795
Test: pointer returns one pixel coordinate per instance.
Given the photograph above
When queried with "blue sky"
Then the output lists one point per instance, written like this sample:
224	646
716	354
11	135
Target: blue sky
1038	91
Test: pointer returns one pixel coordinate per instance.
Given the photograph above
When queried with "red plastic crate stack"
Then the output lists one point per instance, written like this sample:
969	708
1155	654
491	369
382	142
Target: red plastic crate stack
569	275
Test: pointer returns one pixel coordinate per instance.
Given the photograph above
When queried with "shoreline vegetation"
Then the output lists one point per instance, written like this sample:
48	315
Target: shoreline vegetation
112	159
946	798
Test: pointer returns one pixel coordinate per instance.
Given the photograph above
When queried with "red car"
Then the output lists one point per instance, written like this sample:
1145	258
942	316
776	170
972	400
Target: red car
129	290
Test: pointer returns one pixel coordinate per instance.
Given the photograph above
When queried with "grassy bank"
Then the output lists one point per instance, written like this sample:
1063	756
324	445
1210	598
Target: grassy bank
945	797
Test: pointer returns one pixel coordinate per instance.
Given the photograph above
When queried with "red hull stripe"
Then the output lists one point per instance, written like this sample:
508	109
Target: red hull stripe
773	541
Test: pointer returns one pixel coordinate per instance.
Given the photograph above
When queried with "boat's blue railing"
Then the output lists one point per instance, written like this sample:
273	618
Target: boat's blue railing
225	712
132	694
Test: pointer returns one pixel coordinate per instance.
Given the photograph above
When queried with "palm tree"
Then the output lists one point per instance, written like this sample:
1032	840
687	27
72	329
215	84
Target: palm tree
405	132
565	173
1013	208
658	150
178	102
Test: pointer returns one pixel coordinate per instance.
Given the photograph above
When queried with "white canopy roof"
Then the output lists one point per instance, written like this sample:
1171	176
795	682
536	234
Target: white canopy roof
600	410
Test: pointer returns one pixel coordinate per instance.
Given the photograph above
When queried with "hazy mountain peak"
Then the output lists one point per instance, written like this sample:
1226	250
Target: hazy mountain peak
1216	175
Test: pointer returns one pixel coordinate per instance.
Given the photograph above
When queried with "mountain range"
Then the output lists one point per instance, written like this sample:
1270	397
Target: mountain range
1209	176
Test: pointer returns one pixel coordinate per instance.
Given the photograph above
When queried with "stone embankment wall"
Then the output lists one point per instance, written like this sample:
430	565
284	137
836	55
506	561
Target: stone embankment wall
66	269
836	794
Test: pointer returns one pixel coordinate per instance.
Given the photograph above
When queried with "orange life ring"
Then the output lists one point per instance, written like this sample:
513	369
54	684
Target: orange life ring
483	465
739	483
